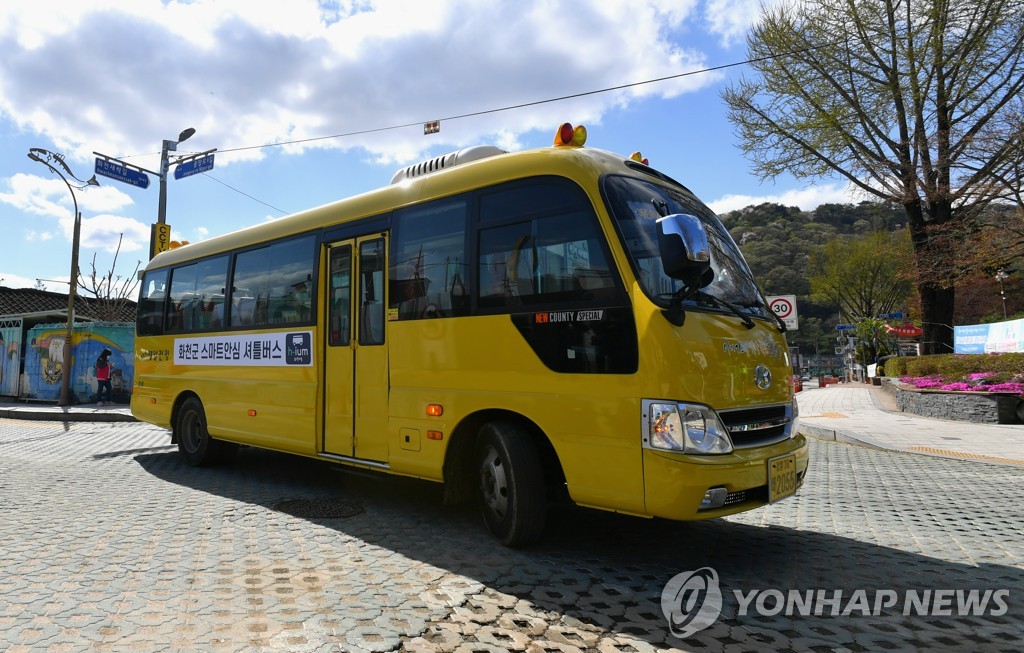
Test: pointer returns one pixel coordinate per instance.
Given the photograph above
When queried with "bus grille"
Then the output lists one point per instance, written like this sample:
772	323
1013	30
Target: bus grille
758	427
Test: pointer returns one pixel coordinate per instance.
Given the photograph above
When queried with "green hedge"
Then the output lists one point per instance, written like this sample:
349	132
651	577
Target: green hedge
954	367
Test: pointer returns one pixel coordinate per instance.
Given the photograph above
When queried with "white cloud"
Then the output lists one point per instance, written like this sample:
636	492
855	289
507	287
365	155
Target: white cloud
49	196
731	19
806	199
14	281
117	76
103	231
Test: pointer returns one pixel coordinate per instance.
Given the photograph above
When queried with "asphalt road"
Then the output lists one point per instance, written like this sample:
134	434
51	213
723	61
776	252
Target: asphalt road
110	543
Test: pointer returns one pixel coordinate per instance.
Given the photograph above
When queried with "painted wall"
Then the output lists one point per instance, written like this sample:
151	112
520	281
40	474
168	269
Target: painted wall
45	365
10	358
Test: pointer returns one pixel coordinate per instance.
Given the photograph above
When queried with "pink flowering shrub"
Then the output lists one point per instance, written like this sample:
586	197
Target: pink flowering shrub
960	387
995	373
975	383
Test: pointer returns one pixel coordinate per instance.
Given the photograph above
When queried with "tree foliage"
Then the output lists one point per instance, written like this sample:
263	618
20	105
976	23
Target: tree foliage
863	275
905	99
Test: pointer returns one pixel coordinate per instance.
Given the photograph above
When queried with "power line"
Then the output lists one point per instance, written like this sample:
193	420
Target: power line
484	112
208	175
511	107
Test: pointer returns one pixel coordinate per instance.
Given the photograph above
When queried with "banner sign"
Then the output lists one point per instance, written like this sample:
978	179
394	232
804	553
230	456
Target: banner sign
247	350
998	337
905	331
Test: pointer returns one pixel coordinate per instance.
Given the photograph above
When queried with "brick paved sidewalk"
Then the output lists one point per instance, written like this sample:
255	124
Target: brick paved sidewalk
865	414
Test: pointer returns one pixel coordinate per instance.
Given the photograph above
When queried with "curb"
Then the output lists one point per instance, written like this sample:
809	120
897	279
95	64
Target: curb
832	435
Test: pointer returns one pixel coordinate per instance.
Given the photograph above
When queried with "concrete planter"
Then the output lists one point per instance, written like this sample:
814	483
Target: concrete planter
983	407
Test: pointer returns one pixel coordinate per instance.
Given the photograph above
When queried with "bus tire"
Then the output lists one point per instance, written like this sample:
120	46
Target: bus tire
194	442
510	484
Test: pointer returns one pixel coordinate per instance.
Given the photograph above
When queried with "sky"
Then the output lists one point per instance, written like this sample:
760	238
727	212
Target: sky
311	101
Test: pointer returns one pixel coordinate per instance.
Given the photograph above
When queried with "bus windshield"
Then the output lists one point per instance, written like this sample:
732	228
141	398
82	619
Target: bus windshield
637	204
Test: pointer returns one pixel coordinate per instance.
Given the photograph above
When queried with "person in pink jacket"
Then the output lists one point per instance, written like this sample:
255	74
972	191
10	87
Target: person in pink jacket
103	367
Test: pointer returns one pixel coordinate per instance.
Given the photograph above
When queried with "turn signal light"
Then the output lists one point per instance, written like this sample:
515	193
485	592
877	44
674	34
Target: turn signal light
435	435
252	413
435	410
569	135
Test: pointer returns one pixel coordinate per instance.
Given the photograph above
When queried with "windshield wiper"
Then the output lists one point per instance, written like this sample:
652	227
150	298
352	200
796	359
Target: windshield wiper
716	301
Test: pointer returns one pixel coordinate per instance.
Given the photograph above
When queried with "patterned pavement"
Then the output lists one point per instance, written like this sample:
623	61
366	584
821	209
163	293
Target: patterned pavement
110	543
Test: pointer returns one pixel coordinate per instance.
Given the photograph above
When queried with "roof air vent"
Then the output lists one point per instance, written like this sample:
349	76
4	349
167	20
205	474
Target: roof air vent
446	161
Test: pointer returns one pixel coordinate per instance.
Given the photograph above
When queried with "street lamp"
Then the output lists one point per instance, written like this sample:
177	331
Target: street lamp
169	146
161	216
1001	277
48	158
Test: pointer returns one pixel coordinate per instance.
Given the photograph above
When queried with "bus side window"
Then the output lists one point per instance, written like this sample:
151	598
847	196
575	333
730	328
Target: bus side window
540	243
243	311
151	303
429	274
183	287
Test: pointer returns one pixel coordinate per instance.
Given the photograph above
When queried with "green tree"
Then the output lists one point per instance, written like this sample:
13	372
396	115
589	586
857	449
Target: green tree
863	275
898	97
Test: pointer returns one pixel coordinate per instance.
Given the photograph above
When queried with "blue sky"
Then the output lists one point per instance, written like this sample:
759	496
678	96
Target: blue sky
119	76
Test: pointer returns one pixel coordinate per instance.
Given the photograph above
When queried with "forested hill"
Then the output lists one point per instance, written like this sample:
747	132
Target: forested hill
777	240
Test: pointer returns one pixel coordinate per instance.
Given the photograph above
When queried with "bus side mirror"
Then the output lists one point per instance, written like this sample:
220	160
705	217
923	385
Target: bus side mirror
685	254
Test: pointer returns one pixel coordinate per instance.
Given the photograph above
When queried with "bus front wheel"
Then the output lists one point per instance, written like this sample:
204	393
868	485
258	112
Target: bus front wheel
511	484
194	441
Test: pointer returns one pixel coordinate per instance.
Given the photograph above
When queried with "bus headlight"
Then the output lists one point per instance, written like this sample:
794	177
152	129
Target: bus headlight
689	428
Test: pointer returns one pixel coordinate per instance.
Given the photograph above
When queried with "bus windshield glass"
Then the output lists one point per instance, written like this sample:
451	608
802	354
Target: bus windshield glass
637	204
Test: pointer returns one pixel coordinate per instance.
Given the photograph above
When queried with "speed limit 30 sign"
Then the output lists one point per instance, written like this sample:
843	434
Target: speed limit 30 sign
784	306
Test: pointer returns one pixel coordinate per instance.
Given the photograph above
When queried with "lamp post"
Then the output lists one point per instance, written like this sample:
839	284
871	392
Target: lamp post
48	158
168	146
1001	277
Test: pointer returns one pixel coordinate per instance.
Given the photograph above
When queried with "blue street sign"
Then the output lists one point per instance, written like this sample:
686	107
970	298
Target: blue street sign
122	173
194	167
893	316
845	327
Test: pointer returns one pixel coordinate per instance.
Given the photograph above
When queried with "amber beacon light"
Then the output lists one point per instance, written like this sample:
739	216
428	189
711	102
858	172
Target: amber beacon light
569	135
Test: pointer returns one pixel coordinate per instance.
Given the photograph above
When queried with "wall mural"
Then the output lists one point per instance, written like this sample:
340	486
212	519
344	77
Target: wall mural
45	365
10	360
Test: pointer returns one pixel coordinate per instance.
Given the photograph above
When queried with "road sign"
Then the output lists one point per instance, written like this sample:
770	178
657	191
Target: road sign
893	316
194	167
122	173
160	238
845	327
784	306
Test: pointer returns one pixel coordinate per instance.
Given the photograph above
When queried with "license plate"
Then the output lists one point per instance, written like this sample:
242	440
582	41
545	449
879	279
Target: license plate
781	477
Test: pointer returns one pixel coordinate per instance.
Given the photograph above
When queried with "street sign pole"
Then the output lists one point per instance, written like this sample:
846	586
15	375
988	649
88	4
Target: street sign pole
161	214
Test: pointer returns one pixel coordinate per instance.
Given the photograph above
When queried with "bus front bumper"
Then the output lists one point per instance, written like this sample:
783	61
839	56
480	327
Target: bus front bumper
675	485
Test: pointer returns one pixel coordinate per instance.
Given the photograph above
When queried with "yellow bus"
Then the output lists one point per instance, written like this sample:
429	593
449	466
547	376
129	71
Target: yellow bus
521	327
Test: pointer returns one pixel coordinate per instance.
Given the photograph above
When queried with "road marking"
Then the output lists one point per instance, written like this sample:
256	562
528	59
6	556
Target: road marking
972	456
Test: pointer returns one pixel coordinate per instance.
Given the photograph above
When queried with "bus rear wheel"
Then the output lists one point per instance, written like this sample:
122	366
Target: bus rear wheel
194	442
510	484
